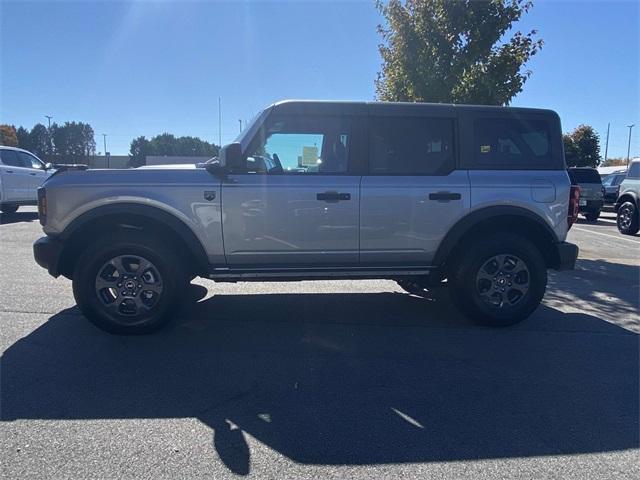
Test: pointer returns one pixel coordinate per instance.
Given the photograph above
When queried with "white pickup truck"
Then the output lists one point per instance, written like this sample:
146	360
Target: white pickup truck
476	198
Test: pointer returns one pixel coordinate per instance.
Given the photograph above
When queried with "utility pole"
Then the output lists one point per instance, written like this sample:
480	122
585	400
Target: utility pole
49	117
220	122
240	122
630	127
606	146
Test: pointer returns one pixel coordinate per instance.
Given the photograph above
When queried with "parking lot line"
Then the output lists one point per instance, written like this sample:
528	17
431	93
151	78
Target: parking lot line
607	235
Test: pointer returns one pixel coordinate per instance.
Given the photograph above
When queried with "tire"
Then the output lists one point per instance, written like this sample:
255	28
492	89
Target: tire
9	208
473	279
116	296
627	219
593	215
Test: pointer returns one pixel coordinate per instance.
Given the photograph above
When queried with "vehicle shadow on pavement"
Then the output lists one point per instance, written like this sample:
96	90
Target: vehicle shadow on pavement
7	218
343	379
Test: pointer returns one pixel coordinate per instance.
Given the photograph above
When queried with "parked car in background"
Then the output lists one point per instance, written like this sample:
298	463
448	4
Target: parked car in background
591	192
21	173
611	184
628	202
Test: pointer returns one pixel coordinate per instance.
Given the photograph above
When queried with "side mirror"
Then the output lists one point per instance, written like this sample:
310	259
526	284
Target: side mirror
214	168
231	157
48	166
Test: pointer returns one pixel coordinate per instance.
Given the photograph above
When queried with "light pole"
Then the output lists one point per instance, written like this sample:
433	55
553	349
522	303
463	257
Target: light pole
104	138
240	122
630	127
49	117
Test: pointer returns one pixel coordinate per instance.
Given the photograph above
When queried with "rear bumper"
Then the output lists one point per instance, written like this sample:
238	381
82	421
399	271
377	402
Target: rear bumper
592	205
47	252
567	254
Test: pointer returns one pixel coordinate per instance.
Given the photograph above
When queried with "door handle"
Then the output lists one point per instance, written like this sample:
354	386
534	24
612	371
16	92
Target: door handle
444	196
333	196
32	173
8	171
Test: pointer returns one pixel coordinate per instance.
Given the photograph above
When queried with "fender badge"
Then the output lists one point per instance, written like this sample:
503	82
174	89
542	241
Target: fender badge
208	196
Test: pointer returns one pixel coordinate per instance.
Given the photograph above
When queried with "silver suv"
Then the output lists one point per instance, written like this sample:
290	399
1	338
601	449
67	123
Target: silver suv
628	202
474	198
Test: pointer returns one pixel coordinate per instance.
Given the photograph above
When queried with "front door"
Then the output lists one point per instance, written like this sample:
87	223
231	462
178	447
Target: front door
34	175
412	194
295	203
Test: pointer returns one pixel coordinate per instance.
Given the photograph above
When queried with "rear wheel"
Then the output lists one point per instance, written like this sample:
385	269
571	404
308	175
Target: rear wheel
129	284
9	208
499	280
627	219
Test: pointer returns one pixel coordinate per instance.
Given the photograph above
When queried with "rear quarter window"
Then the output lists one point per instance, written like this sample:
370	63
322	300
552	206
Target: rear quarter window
512	143
634	170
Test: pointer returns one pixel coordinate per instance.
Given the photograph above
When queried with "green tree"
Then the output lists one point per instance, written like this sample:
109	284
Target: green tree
582	147
23	138
140	148
453	51
40	140
8	136
73	139
167	144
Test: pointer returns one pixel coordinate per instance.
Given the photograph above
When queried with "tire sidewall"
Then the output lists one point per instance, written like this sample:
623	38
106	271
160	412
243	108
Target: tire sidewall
94	258
467	296
633	227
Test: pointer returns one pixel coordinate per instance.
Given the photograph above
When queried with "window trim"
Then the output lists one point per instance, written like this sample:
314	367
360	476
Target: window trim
455	137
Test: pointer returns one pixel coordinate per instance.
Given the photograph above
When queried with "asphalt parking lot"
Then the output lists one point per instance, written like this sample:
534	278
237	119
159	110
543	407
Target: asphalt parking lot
325	379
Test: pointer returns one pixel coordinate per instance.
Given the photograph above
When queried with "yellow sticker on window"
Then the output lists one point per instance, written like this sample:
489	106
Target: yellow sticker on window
485	148
309	156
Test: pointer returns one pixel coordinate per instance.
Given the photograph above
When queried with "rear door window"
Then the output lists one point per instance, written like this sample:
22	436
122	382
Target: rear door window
505	143
410	146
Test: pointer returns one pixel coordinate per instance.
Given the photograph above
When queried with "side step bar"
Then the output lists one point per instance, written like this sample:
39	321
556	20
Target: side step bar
322	273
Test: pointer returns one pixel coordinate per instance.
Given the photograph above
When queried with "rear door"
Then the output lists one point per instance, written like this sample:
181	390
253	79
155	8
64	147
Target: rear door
296	203
413	193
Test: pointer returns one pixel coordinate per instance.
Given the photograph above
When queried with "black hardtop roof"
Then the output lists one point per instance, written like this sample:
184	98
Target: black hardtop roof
395	108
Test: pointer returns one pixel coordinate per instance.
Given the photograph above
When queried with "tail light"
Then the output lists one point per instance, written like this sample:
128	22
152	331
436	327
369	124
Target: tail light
42	205
574	205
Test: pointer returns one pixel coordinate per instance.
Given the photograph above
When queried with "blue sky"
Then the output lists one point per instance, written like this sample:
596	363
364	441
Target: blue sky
142	68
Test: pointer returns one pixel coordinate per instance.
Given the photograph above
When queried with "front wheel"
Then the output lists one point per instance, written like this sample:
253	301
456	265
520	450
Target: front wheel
627	219
499	280
129	283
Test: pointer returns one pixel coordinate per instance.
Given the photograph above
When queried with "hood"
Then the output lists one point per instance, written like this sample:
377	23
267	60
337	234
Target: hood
170	166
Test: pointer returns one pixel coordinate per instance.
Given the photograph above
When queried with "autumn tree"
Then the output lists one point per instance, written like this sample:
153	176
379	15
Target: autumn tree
8	136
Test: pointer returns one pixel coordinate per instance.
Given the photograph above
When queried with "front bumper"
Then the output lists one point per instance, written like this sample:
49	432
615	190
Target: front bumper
47	252
566	254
